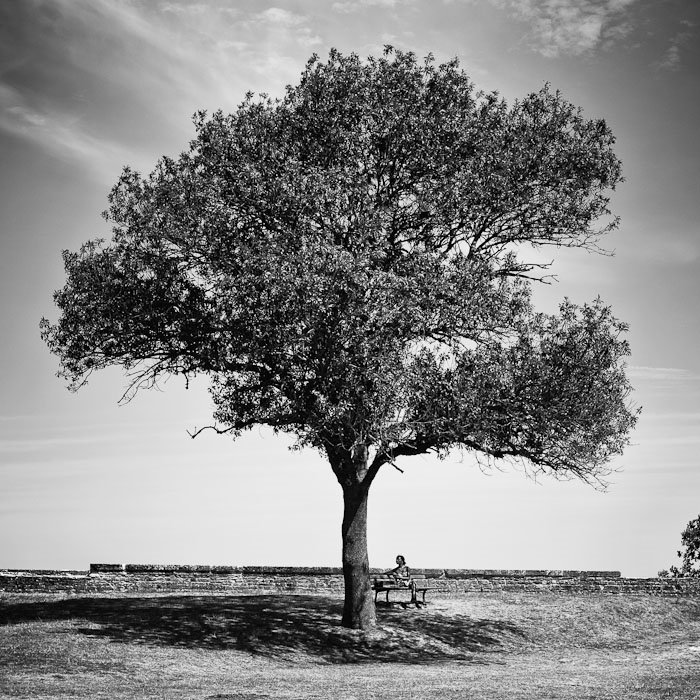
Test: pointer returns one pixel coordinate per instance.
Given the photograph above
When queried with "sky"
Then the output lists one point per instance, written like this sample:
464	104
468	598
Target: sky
89	86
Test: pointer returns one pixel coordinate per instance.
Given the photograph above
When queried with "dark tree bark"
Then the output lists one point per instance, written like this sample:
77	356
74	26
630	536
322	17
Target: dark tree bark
355	475
359	609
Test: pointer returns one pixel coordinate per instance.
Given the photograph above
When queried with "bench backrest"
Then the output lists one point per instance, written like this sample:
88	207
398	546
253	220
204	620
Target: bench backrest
381	580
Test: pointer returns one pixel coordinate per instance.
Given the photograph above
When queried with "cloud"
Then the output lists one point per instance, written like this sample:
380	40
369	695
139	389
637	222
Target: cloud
569	27
357	5
681	385
183	9
294	26
100	83
279	16
58	133
50	444
282	32
672	58
73	92
661	374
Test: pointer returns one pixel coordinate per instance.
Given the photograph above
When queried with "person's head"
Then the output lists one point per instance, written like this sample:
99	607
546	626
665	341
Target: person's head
400	560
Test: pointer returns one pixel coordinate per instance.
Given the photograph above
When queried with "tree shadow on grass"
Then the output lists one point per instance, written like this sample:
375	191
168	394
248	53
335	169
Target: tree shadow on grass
280	627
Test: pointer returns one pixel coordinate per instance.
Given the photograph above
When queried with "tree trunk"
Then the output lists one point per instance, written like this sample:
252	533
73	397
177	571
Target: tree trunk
359	610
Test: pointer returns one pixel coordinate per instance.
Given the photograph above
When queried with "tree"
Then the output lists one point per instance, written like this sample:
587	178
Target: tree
343	263
690	555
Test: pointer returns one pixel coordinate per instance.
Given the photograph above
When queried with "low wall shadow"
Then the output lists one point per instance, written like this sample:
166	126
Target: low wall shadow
281	627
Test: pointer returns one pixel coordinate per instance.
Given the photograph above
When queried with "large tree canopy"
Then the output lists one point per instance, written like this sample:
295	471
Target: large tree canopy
348	263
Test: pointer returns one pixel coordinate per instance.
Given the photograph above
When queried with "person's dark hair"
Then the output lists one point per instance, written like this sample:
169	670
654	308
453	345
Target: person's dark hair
403	558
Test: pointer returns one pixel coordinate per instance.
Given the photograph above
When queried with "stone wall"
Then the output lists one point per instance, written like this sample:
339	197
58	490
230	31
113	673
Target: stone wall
148	578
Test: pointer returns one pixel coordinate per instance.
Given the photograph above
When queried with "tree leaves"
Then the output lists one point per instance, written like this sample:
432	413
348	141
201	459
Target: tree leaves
345	263
689	555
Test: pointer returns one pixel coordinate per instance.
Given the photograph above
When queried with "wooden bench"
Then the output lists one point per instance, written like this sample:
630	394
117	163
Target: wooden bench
387	584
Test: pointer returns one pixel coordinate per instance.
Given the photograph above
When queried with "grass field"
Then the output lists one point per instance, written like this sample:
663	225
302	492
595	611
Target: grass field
501	646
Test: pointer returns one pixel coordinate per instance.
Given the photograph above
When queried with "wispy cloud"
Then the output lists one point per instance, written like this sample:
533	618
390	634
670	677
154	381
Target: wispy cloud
677	418
50	444
279	16
288	25
59	133
73	94
100	83
662	374
672	58
569	27
196	8
357	5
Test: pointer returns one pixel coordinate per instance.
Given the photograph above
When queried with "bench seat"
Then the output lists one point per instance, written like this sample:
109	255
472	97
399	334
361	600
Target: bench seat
387	584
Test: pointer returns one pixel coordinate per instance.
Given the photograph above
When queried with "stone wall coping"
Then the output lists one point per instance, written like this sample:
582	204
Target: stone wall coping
308	571
42	572
528	573
337	571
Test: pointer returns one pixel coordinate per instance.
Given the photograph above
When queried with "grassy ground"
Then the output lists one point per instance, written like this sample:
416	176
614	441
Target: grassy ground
514	646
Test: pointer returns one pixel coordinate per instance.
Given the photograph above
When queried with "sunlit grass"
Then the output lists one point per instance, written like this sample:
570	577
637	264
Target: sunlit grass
477	646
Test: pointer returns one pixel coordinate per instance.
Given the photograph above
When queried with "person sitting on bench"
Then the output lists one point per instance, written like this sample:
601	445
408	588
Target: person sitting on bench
402	575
